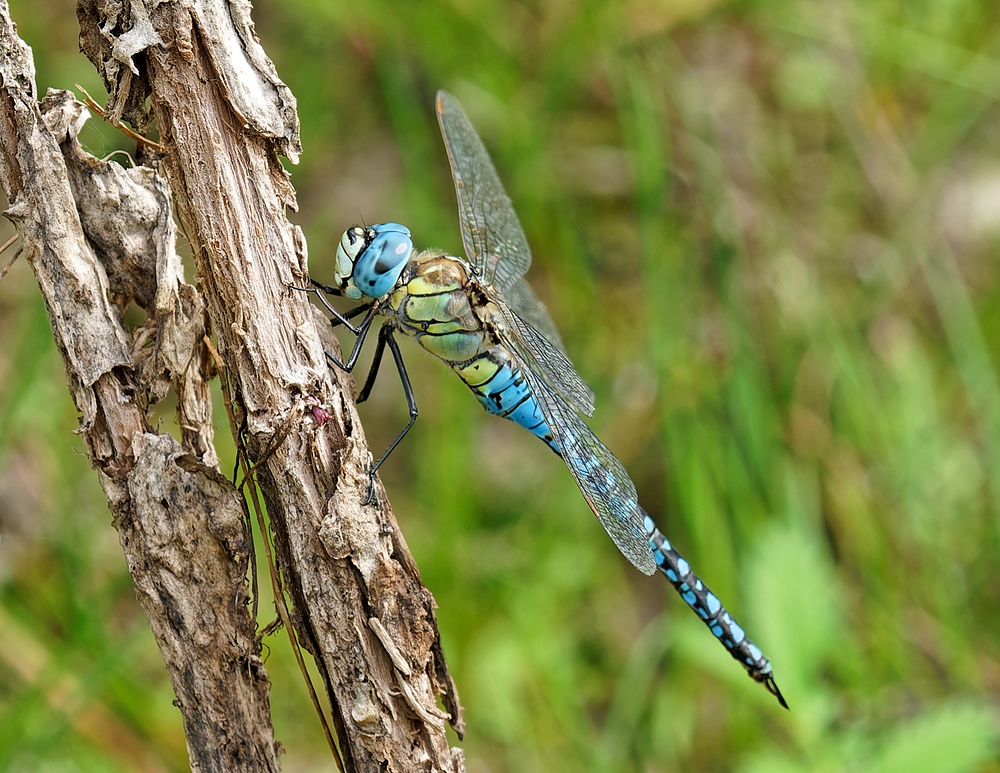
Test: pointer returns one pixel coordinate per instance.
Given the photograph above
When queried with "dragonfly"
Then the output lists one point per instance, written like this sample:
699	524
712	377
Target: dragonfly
479	315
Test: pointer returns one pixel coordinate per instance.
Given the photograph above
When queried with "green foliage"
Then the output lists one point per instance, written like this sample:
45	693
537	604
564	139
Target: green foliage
768	233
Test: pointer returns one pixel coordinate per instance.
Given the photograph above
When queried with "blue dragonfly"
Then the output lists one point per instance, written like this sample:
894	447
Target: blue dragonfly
481	318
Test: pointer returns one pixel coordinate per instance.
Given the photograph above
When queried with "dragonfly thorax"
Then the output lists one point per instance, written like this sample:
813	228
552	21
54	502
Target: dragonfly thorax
370	259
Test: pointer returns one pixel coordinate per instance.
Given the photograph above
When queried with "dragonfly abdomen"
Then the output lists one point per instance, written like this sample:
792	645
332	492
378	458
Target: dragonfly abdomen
708	607
503	391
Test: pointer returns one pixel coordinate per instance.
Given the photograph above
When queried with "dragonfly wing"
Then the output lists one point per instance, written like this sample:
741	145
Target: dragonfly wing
549	362
523	301
494	239
601	478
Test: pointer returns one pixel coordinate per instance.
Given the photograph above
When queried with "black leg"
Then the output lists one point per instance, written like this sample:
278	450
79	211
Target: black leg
411	401
383	334
321	290
323	287
362	332
351	314
385	337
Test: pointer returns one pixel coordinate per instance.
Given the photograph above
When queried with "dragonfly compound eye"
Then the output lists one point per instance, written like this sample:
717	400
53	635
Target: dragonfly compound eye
386	252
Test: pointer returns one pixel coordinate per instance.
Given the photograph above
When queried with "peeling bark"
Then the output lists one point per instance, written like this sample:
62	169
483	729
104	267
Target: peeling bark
99	237
180	522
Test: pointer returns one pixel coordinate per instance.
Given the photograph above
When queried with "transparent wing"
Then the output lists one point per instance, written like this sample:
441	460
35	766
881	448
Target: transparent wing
523	301
602	479
496	245
548	361
494	239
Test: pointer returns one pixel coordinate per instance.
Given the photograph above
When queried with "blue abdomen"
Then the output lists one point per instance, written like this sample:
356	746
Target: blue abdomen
504	392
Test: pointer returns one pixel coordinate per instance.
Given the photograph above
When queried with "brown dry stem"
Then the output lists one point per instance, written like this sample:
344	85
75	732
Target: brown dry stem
99	237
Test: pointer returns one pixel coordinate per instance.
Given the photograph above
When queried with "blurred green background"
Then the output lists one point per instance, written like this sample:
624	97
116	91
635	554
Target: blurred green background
768	232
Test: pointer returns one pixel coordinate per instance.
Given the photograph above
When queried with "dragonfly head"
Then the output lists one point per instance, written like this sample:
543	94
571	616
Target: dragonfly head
371	258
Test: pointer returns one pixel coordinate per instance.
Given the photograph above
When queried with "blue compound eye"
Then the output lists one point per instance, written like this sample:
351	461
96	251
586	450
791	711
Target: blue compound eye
381	261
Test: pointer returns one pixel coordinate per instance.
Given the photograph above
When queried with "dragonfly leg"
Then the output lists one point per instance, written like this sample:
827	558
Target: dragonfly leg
323	287
365	392
321	290
339	319
362	332
385	338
